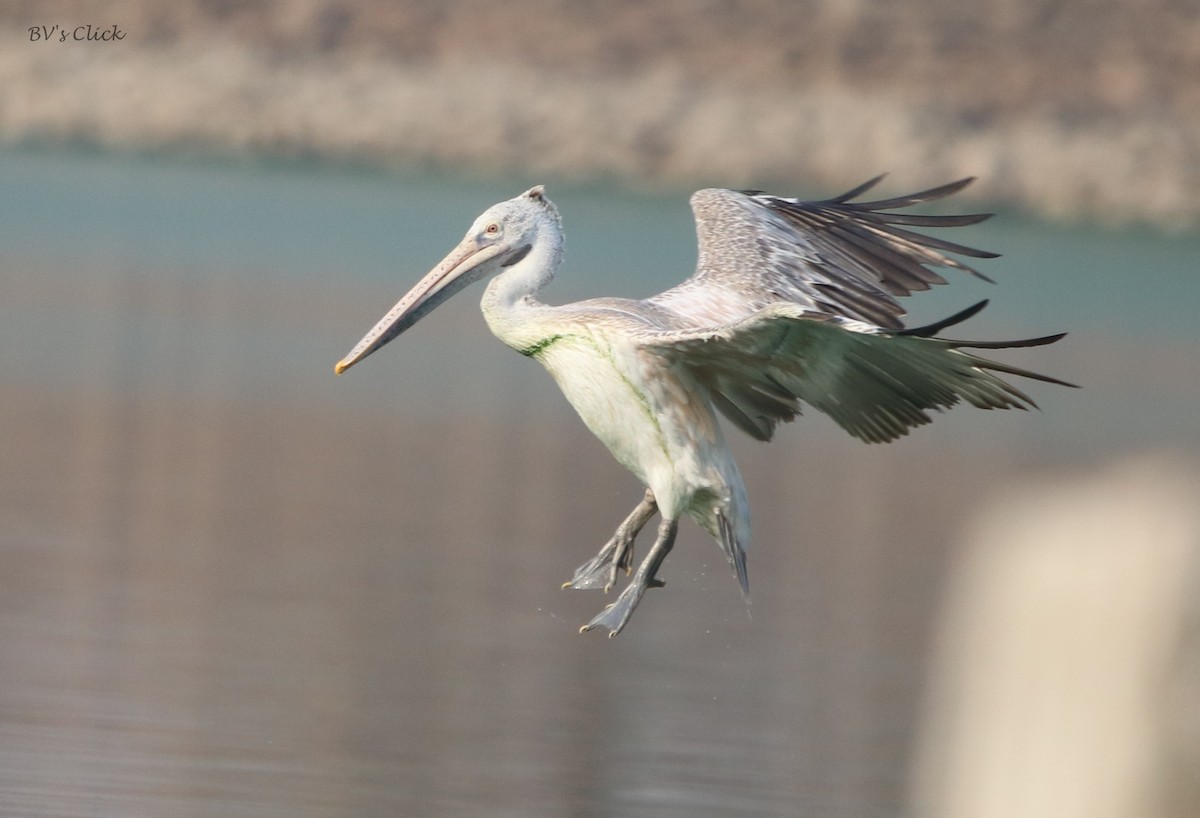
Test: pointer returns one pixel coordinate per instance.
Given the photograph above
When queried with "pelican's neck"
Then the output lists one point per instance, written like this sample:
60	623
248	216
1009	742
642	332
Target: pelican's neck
511	298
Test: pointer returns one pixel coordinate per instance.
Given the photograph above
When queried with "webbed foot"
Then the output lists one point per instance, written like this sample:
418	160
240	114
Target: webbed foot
614	617
602	570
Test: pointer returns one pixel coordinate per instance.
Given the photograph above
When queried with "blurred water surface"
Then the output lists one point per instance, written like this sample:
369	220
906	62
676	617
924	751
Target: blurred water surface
235	585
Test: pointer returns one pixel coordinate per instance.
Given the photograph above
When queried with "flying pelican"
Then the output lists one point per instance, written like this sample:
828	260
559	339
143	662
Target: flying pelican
791	301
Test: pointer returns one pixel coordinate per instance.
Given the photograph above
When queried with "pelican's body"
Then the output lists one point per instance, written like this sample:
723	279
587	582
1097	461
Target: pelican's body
650	415
791	301
653	417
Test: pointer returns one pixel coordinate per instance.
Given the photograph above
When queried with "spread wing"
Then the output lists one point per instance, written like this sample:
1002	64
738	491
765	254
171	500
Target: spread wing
832	258
875	385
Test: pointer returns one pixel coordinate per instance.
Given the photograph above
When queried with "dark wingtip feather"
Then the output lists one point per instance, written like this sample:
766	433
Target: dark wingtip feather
858	191
1023	342
917	220
929	330
932	194
996	366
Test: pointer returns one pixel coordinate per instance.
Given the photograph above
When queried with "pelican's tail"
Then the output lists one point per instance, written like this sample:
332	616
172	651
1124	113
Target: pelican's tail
735	551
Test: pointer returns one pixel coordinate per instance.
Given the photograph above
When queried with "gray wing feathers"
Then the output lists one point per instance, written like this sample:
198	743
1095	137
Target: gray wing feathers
876	386
753	411
834	257
796	301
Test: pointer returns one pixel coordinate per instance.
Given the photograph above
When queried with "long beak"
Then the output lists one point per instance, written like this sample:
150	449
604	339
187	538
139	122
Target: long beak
466	264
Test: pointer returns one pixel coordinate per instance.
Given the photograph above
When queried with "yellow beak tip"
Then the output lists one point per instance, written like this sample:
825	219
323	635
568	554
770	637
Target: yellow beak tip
339	367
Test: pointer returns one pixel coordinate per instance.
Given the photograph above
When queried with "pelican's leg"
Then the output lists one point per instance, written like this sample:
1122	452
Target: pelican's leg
617	614
617	553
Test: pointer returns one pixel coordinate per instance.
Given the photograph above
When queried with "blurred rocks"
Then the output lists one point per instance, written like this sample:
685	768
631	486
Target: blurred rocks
1076	110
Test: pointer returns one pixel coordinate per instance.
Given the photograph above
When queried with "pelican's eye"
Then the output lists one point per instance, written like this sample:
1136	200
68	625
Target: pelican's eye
493	229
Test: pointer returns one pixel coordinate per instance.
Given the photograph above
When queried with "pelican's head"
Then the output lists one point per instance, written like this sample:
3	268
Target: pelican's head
501	237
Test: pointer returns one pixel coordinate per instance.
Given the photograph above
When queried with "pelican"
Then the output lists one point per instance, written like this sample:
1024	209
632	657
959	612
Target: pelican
792	301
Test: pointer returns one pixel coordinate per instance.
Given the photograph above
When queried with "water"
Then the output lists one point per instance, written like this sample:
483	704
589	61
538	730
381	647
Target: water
236	585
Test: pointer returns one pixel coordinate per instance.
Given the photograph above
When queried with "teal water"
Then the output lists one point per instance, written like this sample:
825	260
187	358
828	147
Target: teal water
235	584
260	276
300	224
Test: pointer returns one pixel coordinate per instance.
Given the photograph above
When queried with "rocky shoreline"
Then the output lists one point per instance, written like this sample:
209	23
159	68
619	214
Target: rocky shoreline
1116	141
